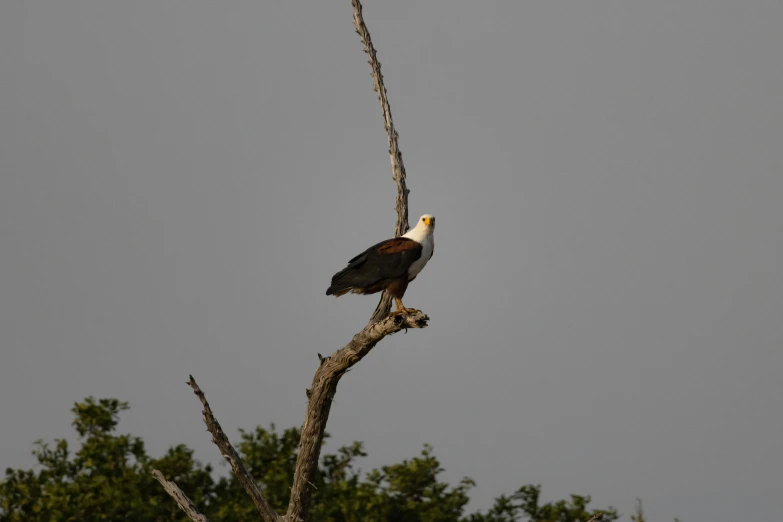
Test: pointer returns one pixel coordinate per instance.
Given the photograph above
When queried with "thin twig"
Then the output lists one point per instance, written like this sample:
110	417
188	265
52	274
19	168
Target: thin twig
322	393
182	499
397	165
231	455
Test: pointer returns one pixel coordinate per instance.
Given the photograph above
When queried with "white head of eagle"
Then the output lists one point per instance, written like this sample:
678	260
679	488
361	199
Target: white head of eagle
389	265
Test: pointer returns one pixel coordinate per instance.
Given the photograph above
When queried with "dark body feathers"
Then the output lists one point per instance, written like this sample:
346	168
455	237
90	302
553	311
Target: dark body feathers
382	266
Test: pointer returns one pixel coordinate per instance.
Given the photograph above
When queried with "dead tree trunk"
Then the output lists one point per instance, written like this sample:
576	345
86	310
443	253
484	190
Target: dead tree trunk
324	386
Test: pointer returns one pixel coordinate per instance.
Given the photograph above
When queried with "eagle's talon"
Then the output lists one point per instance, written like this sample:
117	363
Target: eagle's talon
405	311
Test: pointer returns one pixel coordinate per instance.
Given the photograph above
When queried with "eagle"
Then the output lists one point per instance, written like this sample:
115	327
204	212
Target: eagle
389	265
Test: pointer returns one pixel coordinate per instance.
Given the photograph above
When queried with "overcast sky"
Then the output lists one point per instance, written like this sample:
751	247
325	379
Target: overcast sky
179	180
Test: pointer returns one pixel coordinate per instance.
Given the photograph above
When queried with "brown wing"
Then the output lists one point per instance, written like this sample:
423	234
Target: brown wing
384	261
396	245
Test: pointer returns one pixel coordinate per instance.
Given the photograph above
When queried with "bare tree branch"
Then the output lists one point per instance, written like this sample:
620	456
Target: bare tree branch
397	165
324	385
182	499
320	397
327	376
231	455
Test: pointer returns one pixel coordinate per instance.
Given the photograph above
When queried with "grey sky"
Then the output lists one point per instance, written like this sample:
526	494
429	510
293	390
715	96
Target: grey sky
179	180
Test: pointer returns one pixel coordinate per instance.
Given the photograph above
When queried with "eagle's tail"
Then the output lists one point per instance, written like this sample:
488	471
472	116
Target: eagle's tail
338	290
352	277
342	282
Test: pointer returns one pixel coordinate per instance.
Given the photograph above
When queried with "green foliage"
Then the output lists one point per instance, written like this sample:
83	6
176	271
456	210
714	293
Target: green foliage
109	478
408	491
525	503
